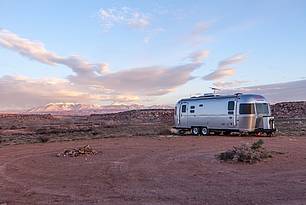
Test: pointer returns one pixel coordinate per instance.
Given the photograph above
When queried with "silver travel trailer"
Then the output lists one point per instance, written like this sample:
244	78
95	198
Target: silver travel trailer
243	113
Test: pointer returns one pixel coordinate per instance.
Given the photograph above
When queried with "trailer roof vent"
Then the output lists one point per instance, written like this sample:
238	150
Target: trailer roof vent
237	94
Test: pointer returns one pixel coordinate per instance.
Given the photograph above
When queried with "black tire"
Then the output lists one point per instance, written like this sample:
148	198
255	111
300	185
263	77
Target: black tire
204	131
195	130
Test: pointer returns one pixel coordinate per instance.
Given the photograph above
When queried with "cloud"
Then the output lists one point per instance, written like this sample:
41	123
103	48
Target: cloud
25	47
149	81
90	82
200	28
198	56
120	87
138	21
231	84
124	16
24	92
223	69
143	81
36	51
278	92
232	60
220	74
199	34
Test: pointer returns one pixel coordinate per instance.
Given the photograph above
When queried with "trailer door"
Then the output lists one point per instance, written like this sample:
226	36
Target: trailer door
231	114
236	114
184	115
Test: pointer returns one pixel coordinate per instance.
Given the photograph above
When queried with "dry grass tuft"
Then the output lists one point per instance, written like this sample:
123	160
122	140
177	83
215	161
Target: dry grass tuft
86	150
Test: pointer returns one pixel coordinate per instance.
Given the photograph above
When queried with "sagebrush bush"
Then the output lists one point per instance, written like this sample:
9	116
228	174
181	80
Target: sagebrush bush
43	139
246	153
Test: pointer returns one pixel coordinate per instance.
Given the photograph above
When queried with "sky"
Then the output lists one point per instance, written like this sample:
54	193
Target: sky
149	52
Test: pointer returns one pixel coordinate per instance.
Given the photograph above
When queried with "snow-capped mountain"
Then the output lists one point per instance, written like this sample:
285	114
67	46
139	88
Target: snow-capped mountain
55	107
87	109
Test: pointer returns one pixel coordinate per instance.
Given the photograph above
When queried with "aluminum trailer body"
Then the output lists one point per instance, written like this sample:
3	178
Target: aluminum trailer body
245	113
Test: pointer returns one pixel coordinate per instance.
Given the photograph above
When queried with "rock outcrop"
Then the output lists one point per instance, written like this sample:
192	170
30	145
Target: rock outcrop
142	116
289	109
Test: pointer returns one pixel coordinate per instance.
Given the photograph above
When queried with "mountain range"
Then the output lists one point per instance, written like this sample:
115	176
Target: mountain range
87	109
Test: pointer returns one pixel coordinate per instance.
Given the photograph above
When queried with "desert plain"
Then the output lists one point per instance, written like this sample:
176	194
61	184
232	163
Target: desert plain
140	161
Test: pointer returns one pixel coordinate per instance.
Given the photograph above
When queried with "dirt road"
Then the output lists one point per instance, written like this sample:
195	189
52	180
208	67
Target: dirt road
144	170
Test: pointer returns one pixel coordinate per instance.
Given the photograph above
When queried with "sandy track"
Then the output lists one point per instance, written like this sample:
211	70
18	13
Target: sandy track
143	170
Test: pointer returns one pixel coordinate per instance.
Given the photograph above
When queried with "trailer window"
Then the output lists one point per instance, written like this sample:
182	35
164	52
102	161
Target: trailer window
201	105
183	108
246	108
192	107
262	108
231	105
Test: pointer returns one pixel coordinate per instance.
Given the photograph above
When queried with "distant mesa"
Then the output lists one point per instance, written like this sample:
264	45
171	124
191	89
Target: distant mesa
87	109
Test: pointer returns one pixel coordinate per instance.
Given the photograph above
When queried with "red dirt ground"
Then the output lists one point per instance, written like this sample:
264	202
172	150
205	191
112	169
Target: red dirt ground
158	170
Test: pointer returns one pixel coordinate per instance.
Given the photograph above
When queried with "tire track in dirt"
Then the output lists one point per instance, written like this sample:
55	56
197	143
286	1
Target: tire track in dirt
30	189
157	171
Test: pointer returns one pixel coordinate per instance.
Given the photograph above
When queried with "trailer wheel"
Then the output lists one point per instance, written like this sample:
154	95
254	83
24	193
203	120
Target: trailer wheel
204	131
195	130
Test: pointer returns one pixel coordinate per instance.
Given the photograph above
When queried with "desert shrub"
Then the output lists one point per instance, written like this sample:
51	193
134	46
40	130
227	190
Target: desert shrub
41	131
143	133
86	150
94	132
13	127
164	131
246	153
258	144
110	124
43	138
